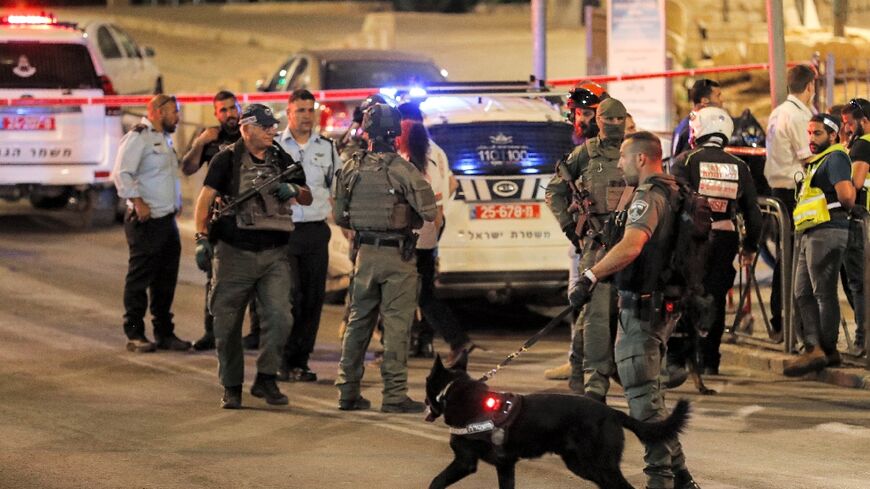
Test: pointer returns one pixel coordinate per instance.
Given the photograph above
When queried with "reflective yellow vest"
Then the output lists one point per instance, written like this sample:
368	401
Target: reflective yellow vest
812	208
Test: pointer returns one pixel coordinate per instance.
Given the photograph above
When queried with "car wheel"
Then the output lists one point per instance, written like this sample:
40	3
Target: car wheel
101	209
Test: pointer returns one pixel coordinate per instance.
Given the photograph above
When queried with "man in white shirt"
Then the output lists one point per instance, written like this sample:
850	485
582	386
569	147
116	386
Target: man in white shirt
788	147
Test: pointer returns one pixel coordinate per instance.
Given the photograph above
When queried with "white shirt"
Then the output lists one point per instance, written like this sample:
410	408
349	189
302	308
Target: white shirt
320	161
147	167
428	234
788	142
439	157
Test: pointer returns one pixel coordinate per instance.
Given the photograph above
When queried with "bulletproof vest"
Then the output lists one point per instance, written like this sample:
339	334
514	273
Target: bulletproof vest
375	204
644	274
264	212
715	174
601	177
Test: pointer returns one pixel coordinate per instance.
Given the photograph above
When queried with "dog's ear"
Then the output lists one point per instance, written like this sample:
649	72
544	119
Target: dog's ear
438	365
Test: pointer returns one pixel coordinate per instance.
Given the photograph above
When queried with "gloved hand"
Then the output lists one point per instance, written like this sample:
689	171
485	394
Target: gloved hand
571	234
285	191
204	254
580	292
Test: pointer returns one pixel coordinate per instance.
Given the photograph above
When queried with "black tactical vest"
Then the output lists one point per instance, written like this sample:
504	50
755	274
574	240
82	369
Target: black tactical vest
264	212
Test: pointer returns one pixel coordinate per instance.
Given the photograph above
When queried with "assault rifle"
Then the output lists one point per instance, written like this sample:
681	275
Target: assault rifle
580	200
254	191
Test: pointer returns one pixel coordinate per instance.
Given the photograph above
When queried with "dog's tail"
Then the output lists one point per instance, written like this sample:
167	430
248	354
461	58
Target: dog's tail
663	430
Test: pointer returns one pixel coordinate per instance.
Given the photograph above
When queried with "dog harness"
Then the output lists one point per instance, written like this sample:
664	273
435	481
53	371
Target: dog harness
500	410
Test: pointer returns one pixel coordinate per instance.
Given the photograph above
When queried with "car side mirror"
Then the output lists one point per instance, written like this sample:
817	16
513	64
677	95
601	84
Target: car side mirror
148	52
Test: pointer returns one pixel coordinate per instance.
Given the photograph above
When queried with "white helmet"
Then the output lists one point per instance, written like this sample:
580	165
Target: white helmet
711	120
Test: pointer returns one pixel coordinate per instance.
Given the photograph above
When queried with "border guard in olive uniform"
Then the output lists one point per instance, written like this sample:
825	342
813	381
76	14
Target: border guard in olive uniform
648	302
383	198
584	191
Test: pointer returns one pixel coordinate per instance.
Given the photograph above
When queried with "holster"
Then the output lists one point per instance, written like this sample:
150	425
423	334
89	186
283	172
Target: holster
661	312
409	246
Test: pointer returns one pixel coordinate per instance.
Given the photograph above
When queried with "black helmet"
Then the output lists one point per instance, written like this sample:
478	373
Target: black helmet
582	98
365	104
382	121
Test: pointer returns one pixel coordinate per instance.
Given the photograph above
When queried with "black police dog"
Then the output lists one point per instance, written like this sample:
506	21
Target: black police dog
585	433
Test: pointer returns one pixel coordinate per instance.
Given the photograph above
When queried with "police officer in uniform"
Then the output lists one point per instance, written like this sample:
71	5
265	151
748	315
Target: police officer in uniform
592	169
727	183
204	147
821	217
382	197
146	175
247	248
639	259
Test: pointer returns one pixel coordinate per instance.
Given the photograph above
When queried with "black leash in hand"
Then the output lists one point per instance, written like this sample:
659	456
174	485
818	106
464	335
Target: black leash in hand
529	342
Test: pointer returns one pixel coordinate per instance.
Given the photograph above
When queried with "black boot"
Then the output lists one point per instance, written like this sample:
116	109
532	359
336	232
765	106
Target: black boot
683	480
205	343
266	388
232	397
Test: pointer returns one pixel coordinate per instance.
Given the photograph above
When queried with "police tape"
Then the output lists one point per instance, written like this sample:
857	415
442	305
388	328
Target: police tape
325	96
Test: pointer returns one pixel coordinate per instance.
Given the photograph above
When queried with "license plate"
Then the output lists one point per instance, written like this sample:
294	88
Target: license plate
27	123
506	211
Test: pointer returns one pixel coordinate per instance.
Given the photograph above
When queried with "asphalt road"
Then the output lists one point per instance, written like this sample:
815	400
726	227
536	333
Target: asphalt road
78	411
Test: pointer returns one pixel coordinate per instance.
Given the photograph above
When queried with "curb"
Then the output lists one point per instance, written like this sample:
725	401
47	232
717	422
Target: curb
752	358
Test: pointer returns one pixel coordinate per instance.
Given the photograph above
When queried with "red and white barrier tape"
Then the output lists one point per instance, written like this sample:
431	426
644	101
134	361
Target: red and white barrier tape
345	94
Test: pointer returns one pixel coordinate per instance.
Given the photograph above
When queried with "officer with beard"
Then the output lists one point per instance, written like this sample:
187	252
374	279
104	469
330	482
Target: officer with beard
591	170
727	183
583	99
204	147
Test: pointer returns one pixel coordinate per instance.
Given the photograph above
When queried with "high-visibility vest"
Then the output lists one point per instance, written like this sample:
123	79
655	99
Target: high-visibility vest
813	208
865	192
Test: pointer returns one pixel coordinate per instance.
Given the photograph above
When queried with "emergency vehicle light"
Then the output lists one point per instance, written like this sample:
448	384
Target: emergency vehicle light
29	19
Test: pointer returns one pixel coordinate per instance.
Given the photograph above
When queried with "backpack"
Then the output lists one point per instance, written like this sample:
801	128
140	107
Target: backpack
690	247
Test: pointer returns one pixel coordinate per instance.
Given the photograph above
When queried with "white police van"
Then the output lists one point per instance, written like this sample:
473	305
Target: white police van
55	155
500	239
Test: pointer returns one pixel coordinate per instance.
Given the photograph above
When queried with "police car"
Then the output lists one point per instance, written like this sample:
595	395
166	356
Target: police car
56	155
500	239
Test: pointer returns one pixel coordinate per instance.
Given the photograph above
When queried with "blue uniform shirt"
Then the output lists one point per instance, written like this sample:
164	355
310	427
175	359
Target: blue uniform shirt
147	167
320	161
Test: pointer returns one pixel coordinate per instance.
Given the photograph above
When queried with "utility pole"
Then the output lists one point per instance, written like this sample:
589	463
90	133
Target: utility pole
840	15
539	40
776	51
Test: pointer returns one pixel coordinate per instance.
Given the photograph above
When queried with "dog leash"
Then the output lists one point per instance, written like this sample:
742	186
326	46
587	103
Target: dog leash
529	342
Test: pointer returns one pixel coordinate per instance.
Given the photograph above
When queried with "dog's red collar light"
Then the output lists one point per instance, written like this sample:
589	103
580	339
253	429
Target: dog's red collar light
492	402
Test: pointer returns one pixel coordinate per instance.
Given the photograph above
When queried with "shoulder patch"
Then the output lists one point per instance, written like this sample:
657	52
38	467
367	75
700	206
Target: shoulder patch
637	210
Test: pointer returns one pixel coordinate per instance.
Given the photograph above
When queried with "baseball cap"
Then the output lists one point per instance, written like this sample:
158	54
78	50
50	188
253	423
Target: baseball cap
258	114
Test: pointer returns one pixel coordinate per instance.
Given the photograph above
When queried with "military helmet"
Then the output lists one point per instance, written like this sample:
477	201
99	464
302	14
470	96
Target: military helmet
711	120
365	104
382	121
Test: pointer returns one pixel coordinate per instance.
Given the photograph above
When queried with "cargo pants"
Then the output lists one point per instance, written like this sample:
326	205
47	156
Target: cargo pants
640	347
236	275
382	283
597	326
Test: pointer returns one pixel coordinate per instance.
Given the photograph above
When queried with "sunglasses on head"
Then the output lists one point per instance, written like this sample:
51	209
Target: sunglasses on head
857	108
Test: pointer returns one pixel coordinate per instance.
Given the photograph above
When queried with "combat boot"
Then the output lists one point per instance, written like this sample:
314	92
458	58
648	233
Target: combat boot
406	406
562	372
812	360
265	388
232	397
358	404
683	480
205	343
172	343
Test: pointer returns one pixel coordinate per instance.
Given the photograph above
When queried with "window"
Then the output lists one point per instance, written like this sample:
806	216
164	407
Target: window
279	81
107	44
298	80
36	65
129	46
376	74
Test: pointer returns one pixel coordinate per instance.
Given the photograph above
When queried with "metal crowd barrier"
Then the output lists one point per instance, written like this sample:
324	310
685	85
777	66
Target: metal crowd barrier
778	230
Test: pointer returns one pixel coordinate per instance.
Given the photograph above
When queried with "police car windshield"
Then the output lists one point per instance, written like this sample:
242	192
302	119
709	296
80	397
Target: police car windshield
370	73
503	148
37	65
